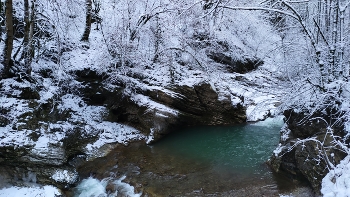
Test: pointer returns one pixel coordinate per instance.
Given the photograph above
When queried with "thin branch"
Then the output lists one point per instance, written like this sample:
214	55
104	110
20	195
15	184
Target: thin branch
316	85
184	51
185	9
342	8
301	1
212	10
262	9
300	19
319	29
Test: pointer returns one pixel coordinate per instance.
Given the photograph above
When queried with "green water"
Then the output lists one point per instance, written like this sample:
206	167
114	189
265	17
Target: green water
241	149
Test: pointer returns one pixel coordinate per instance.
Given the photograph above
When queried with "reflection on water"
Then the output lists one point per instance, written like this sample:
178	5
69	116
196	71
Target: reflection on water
201	161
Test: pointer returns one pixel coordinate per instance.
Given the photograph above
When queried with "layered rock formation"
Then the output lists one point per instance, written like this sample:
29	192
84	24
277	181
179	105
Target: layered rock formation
180	106
50	136
309	145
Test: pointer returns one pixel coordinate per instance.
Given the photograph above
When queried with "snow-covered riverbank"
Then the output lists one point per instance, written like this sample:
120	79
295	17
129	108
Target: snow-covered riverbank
44	191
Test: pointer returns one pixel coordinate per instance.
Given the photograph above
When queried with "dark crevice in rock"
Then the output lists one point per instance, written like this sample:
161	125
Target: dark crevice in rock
92	88
239	66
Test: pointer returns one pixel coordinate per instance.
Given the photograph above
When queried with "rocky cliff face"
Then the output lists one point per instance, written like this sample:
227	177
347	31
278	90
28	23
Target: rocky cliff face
156	111
175	107
44	139
308	145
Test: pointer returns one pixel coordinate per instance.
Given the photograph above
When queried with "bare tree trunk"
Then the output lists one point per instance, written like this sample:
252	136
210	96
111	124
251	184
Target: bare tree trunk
30	47
341	47
26	32
87	30
336	41
9	39
1	19
26	27
28	50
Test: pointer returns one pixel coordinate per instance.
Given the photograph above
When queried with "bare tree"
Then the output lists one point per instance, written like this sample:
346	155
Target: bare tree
96	18
325	23
29	20
1	18
7	62
87	30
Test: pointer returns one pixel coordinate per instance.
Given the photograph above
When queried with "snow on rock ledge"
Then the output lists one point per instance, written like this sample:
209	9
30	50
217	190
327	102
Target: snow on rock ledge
45	191
337	182
65	176
157	111
302	148
42	134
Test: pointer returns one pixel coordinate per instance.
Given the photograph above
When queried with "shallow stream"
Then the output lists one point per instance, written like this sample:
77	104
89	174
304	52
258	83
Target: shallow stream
200	161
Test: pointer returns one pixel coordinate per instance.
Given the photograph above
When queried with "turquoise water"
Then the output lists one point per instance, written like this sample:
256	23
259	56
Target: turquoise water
242	149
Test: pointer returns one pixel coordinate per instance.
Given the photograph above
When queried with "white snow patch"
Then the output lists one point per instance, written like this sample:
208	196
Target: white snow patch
278	150
337	182
49	90
261	107
235	100
142	100
255	113
150	138
65	176
46	138
8	137
161	115
261	91
285	131
45	191
164	90
15	107
112	133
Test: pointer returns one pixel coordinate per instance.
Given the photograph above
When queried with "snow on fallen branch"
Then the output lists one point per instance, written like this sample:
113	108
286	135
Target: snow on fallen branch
321	147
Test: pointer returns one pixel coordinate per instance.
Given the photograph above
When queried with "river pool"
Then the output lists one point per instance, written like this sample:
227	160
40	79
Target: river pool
198	161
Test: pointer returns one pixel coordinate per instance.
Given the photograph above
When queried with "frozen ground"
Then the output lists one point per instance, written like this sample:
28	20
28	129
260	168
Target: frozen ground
45	191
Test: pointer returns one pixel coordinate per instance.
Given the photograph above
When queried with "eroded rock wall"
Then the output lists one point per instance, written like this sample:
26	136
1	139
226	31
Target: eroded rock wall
178	106
309	145
44	139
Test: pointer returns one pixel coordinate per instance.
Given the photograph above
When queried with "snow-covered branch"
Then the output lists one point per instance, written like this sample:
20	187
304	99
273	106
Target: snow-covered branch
261	9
